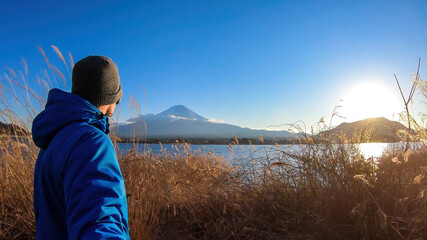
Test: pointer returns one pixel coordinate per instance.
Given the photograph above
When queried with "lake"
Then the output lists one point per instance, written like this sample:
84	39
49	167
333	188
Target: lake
242	152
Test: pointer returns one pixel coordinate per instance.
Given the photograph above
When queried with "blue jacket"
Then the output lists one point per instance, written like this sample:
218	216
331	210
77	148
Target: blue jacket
79	191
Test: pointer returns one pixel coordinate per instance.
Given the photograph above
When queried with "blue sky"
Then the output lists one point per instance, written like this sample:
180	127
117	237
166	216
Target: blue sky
250	63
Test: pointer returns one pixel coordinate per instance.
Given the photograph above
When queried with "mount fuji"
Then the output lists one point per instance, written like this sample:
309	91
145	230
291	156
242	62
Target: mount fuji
181	112
181	122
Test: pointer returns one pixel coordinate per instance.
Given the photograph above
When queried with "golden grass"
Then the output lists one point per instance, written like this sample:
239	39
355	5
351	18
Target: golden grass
325	190
304	195
17	161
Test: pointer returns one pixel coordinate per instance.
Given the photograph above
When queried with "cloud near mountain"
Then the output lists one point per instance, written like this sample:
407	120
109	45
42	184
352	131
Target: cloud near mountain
213	120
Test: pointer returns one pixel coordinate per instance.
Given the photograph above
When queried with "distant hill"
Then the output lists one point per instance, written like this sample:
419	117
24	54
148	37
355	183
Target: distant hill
13	130
181	122
379	129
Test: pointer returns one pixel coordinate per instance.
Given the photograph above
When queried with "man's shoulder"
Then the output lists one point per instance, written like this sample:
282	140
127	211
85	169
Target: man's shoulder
88	143
85	128
84	133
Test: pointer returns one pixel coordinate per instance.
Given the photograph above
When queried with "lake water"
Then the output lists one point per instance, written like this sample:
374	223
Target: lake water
243	151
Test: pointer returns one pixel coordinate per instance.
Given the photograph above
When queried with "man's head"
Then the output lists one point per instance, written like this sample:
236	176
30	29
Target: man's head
96	79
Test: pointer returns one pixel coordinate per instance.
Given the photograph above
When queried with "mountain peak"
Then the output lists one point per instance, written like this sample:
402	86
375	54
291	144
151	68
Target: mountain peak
181	112
368	121
383	129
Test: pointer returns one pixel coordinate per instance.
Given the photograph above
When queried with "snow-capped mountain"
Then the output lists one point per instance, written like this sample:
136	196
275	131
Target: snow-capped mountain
181	122
181	112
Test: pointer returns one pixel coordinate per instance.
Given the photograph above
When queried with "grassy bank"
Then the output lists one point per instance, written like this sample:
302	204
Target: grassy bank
322	191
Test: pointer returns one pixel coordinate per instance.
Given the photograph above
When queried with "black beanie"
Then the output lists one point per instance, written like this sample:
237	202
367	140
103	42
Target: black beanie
96	79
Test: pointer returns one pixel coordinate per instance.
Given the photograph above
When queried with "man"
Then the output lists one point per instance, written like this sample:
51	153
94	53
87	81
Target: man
79	191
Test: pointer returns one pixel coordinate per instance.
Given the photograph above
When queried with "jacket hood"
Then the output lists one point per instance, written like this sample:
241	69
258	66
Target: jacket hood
63	108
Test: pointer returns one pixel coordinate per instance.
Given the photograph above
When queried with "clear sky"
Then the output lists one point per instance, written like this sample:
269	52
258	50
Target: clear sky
249	63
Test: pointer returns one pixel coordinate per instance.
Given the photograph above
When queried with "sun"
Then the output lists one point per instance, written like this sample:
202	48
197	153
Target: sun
367	100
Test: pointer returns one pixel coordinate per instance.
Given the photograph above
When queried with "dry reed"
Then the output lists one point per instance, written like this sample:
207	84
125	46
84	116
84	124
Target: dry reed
325	190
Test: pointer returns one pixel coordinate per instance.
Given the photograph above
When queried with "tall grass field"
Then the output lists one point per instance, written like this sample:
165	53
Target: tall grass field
325	190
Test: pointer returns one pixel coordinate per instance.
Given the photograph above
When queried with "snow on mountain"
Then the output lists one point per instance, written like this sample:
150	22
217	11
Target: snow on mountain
181	112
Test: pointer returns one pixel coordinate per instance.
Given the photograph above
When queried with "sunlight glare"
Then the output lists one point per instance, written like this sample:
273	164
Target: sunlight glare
368	100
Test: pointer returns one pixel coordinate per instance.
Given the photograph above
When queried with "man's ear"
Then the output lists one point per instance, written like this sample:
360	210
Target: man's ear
107	108
111	108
